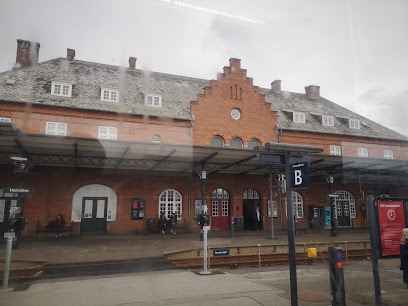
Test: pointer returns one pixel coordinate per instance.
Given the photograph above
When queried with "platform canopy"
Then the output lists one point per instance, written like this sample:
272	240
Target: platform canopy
46	150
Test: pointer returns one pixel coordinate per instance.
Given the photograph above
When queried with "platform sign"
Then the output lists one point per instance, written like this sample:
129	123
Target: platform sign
9	235
18	190
391	222
221	252
274	159
299	174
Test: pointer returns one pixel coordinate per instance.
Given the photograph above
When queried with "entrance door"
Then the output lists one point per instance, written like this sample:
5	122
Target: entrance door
250	201
5	204
220	209
343	213
93	218
220	215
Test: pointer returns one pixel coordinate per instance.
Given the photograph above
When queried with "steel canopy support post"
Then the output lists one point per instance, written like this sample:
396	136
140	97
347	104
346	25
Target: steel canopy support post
291	234
270	193
374	249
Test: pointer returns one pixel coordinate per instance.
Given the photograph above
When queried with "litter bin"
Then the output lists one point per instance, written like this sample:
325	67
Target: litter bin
238	223
150	224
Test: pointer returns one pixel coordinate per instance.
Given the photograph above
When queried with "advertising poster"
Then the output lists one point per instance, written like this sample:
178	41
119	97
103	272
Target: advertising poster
392	221
275	209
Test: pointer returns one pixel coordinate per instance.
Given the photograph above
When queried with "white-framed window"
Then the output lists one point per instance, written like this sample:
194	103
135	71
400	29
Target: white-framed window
108	132
109	95
335	150
56	128
388	154
224	205
328	120
5	119
354	124
253	143
297	202
217	141
235	114
156	139
250	194
61	89
170	201
236	143
362	152
299	117
219	193
153	100
214	208
351	206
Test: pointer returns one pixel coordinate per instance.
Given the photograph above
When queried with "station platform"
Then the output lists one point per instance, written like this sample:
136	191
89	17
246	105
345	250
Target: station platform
102	247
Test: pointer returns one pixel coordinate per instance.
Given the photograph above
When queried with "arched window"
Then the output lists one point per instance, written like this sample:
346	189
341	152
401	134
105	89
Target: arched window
219	193
345	196
297	202
170	201
217	141
156	139
253	143
236	143
250	194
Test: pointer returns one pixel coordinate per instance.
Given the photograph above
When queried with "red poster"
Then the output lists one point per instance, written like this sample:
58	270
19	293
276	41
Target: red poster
392	221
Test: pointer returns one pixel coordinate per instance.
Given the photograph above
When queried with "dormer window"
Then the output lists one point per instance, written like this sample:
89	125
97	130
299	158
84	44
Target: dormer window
354	124
299	117
61	89
109	95
153	100
328	120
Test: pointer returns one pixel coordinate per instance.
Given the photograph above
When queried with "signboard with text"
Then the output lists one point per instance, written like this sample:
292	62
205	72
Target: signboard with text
18	190
299	174
391	222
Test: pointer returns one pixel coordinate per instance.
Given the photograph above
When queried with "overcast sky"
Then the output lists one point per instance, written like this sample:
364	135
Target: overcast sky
356	51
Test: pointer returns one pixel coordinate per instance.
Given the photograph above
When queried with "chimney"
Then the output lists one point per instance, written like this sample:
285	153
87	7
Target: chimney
235	63
27	53
132	63
276	86
70	55
313	91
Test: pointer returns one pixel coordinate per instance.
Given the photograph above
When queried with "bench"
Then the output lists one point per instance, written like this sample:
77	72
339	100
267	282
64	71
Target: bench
42	228
182	225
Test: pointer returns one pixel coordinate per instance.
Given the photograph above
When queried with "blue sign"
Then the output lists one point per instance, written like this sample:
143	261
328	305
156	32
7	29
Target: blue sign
300	175
221	252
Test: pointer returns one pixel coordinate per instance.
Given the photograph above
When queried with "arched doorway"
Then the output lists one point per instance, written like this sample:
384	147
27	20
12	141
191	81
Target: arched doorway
7	200
344	208
250	201
220	206
94	205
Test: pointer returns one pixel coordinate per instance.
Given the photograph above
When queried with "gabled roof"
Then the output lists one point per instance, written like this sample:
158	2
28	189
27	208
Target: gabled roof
33	85
285	102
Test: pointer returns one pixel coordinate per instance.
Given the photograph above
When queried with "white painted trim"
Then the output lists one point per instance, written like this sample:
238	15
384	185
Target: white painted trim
97	191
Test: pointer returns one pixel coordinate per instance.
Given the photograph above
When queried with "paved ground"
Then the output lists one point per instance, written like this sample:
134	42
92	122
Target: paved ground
130	246
257	286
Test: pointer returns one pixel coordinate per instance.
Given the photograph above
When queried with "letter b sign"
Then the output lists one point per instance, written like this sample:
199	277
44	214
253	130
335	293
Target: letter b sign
300	175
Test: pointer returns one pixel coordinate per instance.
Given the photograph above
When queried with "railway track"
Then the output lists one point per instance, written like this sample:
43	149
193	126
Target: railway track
252	260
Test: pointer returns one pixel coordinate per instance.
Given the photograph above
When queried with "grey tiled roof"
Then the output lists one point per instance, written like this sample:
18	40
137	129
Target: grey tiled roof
33	85
287	102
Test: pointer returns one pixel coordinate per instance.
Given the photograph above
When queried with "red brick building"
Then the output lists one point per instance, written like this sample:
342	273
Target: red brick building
110	147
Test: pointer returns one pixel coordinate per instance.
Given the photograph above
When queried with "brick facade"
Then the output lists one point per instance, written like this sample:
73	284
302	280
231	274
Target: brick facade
233	90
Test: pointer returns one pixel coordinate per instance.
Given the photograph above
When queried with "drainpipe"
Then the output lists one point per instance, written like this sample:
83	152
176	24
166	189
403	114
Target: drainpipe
191	128
279	132
49	195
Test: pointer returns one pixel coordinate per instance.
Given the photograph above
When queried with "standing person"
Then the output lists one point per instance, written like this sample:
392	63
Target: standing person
258	219
173	222
163	223
404	256
59	225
